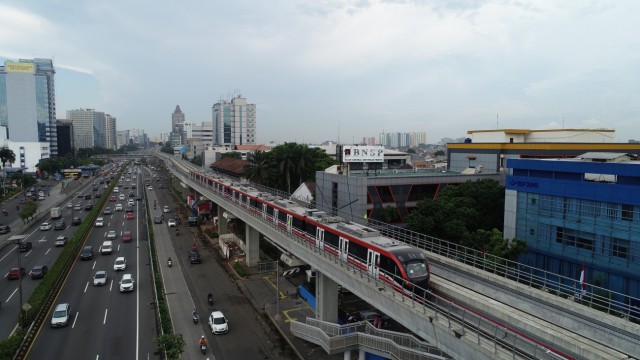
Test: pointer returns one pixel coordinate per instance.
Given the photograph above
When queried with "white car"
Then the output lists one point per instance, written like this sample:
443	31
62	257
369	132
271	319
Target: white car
61	315
70	205
112	235
116	190
118	207
120	263
218	323
61	241
166	209
45	226
172	223
77	207
131	202
121	197
99	222
100	278
126	284
150	188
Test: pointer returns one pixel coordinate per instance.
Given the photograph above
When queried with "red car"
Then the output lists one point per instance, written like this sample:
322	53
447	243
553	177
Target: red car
126	236
129	216
15	273
112	198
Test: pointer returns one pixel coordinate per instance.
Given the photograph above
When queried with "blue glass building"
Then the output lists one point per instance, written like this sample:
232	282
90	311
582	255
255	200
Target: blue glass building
575	211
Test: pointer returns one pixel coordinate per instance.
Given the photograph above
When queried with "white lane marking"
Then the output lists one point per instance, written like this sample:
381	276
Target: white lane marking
9	253
75	319
47	252
86	287
105	316
10	296
94	265
27	255
118	247
111	285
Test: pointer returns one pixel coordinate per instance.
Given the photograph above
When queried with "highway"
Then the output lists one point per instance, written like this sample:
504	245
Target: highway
105	323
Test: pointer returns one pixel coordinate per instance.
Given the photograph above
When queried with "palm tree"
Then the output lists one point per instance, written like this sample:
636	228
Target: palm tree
7	156
260	168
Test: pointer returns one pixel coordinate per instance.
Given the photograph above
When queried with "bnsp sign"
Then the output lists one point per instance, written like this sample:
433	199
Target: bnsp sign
362	154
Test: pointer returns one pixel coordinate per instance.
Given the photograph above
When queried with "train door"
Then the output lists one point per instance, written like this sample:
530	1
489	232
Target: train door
275	216
344	248
320	238
373	261
289	222
264	211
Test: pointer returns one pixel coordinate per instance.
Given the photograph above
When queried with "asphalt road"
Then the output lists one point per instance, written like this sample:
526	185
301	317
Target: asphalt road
106	324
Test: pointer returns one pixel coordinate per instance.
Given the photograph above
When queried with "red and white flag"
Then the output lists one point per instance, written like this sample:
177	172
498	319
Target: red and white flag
583	283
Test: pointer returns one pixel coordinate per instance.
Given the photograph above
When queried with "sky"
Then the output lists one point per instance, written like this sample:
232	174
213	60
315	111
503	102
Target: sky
330	70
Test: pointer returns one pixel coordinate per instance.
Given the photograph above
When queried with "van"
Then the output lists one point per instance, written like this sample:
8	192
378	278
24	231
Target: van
193	256
192	221
106	248
86	253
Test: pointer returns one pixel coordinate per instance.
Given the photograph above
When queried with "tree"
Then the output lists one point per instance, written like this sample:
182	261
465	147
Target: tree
411	151
171	344
231	154
197	160
7	155
260	168
439	153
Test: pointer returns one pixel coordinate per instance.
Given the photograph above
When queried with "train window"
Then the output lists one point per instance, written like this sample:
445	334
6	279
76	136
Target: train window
282	216
387	264
358	251
269	210
310	229
331	239
298	223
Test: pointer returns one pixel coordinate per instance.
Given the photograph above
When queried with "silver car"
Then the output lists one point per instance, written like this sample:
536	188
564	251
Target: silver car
61	315
100	278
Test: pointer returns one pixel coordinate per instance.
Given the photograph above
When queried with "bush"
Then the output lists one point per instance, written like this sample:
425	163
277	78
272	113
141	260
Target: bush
239	269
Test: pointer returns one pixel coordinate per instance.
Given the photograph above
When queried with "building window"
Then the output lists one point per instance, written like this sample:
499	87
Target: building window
533	201
620	248
611	210
532	232
627	212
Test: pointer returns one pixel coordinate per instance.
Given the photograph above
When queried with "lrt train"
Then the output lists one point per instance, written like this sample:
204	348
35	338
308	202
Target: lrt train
404	267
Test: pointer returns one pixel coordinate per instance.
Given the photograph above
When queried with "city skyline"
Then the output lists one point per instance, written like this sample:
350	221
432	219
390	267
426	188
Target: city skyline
329	72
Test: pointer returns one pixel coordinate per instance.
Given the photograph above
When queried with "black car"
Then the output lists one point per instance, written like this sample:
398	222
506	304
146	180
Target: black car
192	221
39	271
88	207
157	220
5	229
76	221
24	246
97	195
60	225
87	253
132	194
88	196
193	256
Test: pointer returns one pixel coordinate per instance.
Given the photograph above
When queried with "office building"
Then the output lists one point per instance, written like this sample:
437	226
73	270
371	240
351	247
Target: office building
110	132
489	149
177	117
583	210
88	128
401	140
122	138
64	130
234	122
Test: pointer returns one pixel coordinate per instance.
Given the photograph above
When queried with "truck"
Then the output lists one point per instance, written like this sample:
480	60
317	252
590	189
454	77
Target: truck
56	213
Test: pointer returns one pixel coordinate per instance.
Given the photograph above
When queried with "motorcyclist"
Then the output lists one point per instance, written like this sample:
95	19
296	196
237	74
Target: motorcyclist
169	261
210	298
177	231
203	341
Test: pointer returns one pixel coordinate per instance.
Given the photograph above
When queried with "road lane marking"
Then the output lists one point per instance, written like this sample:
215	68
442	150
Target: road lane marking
106	311
47	252
94	265
10	296
86	287
75	319
111	285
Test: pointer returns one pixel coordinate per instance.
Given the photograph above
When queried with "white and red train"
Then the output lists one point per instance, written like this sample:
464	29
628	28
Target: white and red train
405	267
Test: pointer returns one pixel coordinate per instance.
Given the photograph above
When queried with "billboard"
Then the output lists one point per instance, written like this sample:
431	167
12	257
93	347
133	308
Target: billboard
19	67
362	154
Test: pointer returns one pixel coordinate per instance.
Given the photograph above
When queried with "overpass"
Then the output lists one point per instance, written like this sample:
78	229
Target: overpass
461	331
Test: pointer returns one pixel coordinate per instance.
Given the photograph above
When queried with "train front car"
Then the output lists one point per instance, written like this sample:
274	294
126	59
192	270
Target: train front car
416	268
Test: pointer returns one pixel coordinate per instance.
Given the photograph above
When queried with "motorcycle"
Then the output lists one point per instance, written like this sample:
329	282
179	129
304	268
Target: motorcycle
5	212
195	317
169	262
203	347
177	232
210	299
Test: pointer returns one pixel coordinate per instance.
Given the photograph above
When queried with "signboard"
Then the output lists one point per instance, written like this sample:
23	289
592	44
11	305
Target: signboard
362	154
18	67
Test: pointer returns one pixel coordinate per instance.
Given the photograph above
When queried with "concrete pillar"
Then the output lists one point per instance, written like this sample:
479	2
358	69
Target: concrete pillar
222	221
347	355
326	298
361	354
252	245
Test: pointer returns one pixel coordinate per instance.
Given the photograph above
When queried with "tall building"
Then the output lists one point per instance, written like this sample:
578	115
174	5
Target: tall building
402	140
177	117
110	132
65	137
234	122
122	138
583	211
88	128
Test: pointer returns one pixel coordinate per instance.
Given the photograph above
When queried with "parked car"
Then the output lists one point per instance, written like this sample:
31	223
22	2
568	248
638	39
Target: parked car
76	221
61	315
100	278
45	226
218	323
39	271
61	241
126	284
15	273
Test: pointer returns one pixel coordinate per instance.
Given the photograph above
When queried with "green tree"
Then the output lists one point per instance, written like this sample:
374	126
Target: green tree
28	210
197	160
171	344
231	154
7	156
439	153
260	168
411	151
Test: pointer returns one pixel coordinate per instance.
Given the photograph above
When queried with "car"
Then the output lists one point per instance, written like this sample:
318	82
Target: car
88	207
77	207
139	198
112	235
120	264
126	283
106	248
372	316
129	209
40	197
131	194
76	221
70	205
130	216
5	229
60	241
150	188
193	256
88	196
157	220
113	198
118	207
131	202
192	221
121	197
80	196
218	323
172	223
126	236
45	226
60	225
100	278
39	271
61	315
100	222
86	253
15	273
116	190
166	209
133	186
97	195
107	211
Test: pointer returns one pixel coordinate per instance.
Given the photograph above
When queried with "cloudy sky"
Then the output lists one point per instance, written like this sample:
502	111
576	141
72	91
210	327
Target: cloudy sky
341	70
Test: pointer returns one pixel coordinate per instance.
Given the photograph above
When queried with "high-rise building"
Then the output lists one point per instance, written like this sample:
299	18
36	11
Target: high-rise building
234	122
177	117
65	137
402	140
88	128
110	132
122	138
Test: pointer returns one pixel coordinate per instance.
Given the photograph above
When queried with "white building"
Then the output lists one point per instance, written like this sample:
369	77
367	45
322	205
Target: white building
110	132
234	122
88	128
28	154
